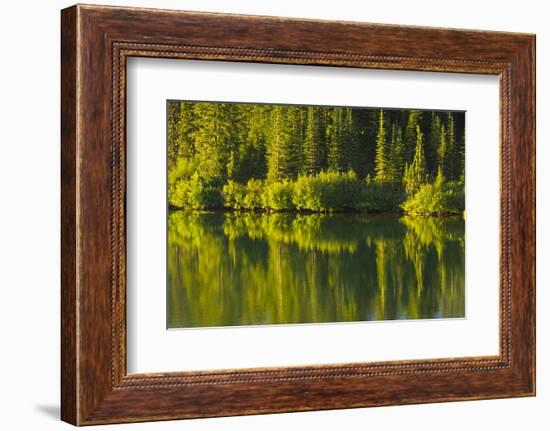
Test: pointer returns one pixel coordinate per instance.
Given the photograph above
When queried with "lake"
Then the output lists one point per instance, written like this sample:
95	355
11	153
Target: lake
230	268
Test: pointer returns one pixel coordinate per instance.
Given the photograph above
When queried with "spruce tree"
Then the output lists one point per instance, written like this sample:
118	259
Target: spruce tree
413	122
415	173
439	180
443	153
453	170
172	114
352	153
312	148
398	154
335	141
433	141
283	161
381	162
213	139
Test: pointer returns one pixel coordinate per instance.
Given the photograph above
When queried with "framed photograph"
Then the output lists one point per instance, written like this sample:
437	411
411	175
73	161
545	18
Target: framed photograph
264	215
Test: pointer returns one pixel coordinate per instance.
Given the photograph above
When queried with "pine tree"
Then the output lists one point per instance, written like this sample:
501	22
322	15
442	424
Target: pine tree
352	153
254	164
172	114
442	152
381	162
452	149
413	122
462	157
312	149
415	173
433	141
283	161
214	139
185	130
398	154
335	141
439	180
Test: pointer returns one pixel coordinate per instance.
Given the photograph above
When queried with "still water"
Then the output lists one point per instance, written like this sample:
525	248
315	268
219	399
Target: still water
228	269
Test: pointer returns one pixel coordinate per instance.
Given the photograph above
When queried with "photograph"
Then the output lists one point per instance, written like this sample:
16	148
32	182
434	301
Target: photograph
304	214
277	210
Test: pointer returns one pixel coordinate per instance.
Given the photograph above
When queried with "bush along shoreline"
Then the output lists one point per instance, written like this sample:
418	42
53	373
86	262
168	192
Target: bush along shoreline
324	192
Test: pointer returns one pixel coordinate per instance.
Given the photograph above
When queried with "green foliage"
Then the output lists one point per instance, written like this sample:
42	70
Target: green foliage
397	154
443	152
337	139
414	120
278	196
305	268
253	199
225	154
428	200
415	173
313	143
172	120
184	169
234	195
382	166
282	148
195	194
437	198
381	197
215	139
328	191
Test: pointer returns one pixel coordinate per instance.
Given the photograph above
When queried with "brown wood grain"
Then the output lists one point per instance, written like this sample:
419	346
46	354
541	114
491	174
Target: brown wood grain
68	217
96	41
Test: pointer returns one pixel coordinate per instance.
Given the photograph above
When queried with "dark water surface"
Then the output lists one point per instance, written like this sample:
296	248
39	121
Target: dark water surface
228	269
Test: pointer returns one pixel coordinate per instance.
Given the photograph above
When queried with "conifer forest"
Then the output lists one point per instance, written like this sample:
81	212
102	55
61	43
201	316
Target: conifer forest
307	214
314	158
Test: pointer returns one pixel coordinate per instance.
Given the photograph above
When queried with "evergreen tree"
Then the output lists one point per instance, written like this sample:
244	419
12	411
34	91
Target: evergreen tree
352	153
172	114
442	152
213	138
282	149
433	142
253	157
382	165
312	152
439	180
213	144
413	122
398	154
335	140
415	173
453	168
186	128
462	158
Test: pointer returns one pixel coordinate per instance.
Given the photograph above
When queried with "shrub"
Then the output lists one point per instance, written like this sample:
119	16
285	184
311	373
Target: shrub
178	194
427	200
328	191
194	193
381	197
253	199
183	170
278	196
305	196
439	198
455	196
234	195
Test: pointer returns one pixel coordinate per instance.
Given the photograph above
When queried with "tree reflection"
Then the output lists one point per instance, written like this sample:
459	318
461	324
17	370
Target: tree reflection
250	269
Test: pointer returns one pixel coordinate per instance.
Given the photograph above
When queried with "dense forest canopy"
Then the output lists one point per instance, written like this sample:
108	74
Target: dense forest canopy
316	158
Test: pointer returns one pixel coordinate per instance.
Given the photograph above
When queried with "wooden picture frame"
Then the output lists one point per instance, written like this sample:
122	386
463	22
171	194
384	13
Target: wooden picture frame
95	43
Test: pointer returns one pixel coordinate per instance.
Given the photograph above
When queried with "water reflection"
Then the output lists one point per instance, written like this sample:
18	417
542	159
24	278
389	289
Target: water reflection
249	269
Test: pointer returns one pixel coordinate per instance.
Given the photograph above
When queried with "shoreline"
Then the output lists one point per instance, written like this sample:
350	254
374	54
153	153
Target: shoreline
172	209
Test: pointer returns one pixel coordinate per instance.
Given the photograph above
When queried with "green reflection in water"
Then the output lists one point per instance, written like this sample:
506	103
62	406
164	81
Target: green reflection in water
229	269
